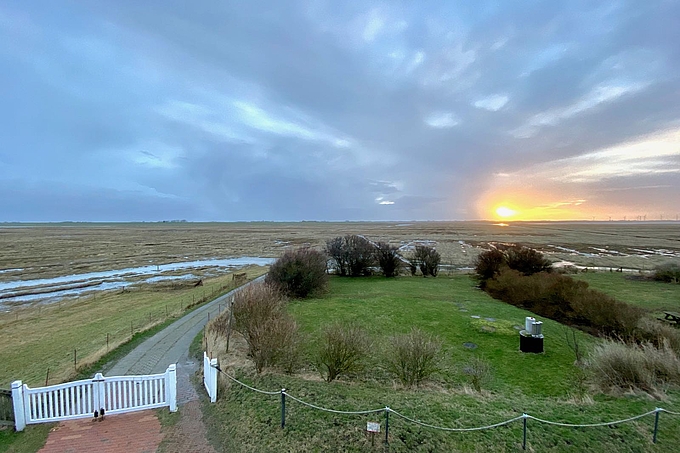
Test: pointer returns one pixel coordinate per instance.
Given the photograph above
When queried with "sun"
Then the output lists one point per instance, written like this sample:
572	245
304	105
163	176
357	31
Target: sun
504	211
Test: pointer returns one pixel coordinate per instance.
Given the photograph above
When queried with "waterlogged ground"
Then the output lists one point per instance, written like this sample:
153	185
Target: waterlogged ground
51	289
63	260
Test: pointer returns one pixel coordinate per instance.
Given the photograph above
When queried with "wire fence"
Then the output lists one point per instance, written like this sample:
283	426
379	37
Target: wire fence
87	350
387	411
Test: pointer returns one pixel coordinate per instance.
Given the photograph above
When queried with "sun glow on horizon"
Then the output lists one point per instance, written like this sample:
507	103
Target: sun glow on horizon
505	212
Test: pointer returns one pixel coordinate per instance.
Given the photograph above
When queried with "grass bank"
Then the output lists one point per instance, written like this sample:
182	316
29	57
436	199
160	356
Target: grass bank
542	385
47	337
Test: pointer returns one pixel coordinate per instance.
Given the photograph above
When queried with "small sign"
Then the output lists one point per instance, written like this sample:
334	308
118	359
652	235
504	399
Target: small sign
373	427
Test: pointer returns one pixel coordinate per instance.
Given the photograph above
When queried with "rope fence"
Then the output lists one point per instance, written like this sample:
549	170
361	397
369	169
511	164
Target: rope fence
387	410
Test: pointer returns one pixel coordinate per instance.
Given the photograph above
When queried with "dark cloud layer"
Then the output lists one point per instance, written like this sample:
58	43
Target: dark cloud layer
330	110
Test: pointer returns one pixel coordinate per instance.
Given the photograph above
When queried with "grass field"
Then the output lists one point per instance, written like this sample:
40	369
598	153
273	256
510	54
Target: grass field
648	294
51	250
36	339
542	385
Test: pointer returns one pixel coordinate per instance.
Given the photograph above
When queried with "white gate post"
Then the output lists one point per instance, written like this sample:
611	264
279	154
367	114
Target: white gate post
99	392
171	387
213	380
19	405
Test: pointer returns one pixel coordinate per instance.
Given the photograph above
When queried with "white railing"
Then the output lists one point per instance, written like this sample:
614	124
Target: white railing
80	399
210	376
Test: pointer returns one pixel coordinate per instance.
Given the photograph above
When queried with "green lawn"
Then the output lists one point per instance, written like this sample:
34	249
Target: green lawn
651	295
542	385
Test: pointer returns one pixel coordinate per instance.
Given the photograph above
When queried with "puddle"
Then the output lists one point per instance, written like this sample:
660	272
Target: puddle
470	345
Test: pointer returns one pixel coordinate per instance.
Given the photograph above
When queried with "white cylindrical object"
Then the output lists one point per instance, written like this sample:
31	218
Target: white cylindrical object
528	321
536	328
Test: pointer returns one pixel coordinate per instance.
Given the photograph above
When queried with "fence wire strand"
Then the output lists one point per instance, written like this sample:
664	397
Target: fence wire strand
591	425
333	410
443	428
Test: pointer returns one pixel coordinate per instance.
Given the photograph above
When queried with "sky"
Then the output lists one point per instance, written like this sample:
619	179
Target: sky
339	110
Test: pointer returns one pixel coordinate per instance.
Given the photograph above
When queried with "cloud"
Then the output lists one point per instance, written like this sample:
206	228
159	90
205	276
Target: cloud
325	110
493	103
441	120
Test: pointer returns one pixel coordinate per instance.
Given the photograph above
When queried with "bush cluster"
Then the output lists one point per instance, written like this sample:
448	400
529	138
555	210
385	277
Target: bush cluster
524	260
352	255
272	335
299	273
566	300
667	273
426	259
356	256
389	260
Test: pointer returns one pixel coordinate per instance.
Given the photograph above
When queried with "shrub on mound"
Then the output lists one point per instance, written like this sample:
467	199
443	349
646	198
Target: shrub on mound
272	335
299	273
343	350
414	357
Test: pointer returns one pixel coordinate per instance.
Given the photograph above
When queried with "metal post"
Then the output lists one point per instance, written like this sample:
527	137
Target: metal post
524	440
656	424
387	425
283	408
75	359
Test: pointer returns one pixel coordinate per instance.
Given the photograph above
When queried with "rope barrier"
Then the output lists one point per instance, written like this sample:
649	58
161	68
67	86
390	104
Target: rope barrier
495	425
246	385
443	428
592	425
382	409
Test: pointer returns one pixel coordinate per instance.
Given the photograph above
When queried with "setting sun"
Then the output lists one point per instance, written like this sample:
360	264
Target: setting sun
504	211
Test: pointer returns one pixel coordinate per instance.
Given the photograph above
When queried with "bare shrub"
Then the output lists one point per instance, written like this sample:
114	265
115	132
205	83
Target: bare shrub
414	357
343	350
389	260
479	372
488	265
574	343
271	334
299	273
352	255
427	259
527	260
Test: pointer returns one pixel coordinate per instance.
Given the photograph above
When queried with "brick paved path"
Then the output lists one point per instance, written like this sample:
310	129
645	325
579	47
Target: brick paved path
141	431
132	432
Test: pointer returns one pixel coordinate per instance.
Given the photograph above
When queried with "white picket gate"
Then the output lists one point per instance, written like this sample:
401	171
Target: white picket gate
79	399
210	376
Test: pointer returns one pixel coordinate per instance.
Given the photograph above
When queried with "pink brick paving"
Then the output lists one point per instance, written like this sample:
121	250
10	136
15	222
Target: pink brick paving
133	432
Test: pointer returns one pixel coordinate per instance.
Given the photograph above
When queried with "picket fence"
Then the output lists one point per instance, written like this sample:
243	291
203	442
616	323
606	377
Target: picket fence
210	376
79	399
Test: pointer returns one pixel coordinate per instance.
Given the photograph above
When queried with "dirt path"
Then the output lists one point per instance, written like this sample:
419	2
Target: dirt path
141	431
